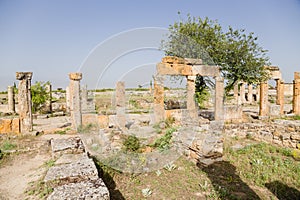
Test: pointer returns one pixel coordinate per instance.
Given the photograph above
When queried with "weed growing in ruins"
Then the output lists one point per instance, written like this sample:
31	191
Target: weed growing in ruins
86	128
263	163
49	163
132	143
164	142
7	145
39	189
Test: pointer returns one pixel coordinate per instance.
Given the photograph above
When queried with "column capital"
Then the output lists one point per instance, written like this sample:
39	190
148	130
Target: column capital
23	75
76	76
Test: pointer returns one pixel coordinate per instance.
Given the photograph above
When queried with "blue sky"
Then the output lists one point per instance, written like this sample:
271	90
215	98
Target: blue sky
53	38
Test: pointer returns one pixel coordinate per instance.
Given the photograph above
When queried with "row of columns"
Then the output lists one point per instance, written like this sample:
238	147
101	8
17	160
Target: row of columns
264	108
24	99
158	107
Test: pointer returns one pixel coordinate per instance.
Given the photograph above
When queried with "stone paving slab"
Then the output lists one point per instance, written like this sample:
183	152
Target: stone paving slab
83	190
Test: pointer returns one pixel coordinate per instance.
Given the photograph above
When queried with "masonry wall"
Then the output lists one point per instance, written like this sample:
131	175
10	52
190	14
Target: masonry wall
281	132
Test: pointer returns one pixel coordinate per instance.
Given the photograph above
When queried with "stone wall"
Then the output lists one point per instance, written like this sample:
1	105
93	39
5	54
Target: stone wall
280	132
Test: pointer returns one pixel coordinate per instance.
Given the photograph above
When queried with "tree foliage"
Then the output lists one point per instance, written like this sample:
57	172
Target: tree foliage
236	52
39	95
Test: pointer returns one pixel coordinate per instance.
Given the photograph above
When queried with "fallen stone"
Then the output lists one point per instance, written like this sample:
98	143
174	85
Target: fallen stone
71	145
83	169
83	190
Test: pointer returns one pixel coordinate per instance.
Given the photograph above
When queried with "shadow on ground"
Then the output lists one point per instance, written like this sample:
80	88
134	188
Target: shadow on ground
282	191
226	181
109	181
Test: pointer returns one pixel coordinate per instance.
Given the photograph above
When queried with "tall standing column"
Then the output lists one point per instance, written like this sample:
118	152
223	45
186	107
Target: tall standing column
24	101
120	104
280	95
296	94
68	106
236	92
11	99
84	99
191	104
242	93
219	99
250	93
264	104
49	99
158	106
75	103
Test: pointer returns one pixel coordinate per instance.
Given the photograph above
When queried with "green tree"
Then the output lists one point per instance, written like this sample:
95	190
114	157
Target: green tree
237	53
39	95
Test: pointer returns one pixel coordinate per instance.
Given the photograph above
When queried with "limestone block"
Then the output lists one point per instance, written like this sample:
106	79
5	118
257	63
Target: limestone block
8	125
5	125
295	136
83	169
93	190
103	121
70	145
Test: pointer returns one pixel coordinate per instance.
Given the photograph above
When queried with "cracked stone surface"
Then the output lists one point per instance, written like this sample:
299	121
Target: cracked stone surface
83	169
71	145
83	190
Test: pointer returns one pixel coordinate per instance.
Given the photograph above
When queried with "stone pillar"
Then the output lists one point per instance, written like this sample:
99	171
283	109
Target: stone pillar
75	103
11	99
191	104
68	99
257	90
236	92
280	95
24	101
158	104
84	99
242	93
120	104
49	100
264	104
219	99
250	93
296	95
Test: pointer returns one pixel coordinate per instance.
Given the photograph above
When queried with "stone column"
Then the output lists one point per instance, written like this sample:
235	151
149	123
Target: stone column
219	99
84	99
242	93
158	104
68	99
264	104
250	93
75	103
24	101
236	92
11	99
257	93
191	104
280	95
49	100
120	104
296	95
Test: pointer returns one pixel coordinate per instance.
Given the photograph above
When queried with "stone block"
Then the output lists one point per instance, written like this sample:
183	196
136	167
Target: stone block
93	190
295	136
70	145
103	121
10	125
83	169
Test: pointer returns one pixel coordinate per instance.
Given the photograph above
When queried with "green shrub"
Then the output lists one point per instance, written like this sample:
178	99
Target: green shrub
164	142
296	154
39	95
132	143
